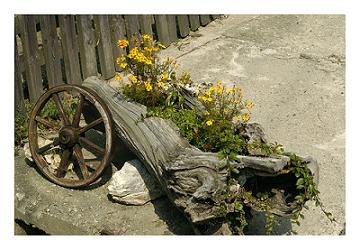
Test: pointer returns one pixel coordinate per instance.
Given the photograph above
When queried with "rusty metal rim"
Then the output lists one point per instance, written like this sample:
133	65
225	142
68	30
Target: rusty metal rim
99	104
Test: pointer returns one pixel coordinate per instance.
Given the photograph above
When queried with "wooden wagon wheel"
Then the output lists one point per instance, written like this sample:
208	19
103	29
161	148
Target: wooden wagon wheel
68	156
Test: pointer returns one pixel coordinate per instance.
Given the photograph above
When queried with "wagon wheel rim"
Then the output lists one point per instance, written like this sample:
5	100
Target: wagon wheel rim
70	139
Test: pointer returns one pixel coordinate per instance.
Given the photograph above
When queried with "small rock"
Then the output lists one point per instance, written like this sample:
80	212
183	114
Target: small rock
254	132
20	196
133	185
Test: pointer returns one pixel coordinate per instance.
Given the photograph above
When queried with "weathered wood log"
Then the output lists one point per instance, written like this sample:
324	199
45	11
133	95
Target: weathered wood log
190	177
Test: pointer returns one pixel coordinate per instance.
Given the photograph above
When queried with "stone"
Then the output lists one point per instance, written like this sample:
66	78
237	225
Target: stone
52	157
133	185
254	133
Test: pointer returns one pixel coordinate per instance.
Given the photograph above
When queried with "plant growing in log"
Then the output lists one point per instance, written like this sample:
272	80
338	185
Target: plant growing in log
215	125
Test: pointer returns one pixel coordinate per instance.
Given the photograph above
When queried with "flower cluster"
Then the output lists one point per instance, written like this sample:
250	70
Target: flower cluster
223	103
153	81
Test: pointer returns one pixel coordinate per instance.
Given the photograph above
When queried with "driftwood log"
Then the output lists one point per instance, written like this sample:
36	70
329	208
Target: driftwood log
190	177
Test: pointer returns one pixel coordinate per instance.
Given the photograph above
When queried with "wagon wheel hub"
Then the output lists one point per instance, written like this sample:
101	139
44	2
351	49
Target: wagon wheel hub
68	137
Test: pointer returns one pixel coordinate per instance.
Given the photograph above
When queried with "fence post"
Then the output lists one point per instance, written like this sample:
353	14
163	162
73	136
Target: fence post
31	56
19	95
183	22
204	19
172	28
194	22
132	28
145	22
105	47
51	49
70	49
118	31
162	29
87	43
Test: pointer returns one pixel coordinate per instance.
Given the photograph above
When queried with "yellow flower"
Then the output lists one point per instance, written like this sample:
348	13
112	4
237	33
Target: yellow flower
123	65
148	86
164	76
248	104
206	113
146	38
133	79
246	117
205	99
133	53
209	122
161	84
202	98
148	62
117	78
118	60
123	43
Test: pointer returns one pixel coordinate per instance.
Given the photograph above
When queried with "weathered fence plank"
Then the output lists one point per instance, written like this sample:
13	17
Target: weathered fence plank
31	56
118	31
162	29
132	28
183	23
106	56
19	95
204	19
172	29
145	22
194	22
70	49
51	50
87	43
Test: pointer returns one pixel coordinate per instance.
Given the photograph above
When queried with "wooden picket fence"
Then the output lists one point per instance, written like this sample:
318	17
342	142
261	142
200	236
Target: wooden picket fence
56	49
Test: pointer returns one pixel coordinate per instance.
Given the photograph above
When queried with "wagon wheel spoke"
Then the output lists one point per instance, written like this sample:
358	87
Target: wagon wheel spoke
92	146
77	115
48	146
60	107
64	163
81	162
47	123
90	125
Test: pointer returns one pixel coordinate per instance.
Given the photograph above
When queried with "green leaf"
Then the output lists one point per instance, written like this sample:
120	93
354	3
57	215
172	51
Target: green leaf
235	171
300	182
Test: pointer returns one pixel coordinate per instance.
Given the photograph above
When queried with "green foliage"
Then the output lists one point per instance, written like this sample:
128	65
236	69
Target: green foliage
307	187
156	84
50	111
21	124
